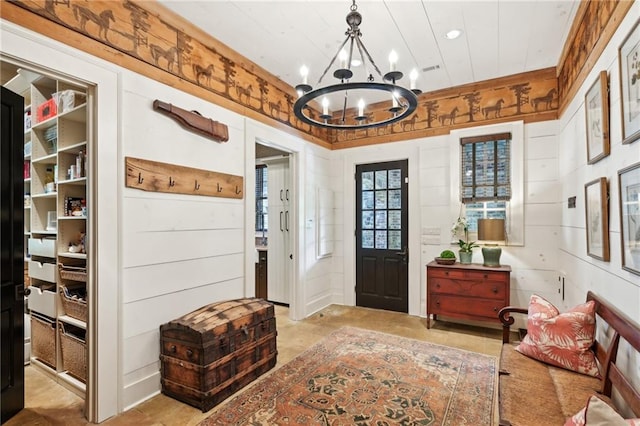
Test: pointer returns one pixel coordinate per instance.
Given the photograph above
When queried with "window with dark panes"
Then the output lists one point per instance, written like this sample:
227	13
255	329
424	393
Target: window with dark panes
261	199
485	187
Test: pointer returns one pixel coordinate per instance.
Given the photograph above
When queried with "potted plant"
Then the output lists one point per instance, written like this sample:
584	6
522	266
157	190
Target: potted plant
447	257
466	246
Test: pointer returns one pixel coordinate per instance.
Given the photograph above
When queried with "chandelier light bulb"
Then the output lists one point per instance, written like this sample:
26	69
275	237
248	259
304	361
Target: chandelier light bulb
343	58
325	106
361	107
304	72
394	98
393	60
413	76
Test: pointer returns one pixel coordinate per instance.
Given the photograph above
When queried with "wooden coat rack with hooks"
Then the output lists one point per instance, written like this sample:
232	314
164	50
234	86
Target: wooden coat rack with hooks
154	176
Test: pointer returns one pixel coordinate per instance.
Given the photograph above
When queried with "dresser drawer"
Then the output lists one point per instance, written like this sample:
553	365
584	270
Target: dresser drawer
468	288
464	307
477	275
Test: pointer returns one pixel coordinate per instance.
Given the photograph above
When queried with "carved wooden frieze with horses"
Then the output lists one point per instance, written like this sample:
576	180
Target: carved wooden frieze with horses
132	28
526	96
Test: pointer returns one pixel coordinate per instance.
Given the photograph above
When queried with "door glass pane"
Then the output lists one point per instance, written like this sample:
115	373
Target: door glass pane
367	239
395	219
381	239
381	219
395	176
367	200
395	240
395	199
381	199
381	179
367	180
367	219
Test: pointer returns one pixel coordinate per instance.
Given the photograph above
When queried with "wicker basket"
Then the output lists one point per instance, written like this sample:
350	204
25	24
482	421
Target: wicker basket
75	308
74	354
43	340
73	273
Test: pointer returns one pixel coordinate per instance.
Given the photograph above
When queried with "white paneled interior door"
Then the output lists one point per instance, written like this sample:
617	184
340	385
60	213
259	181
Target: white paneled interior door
279	235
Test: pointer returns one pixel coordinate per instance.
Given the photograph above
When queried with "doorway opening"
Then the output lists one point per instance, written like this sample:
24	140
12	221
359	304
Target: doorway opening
275	224
56	148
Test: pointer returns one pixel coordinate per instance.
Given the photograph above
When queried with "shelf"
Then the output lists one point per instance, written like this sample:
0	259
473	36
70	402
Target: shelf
27	180
47	159
72	255
79	181
73	321
72	217
74	149
27	207
44	195
78	114
44	232
46	124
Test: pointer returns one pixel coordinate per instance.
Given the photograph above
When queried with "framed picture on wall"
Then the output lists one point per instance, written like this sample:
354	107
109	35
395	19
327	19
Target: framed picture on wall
629	63
597	219
629	196
596	106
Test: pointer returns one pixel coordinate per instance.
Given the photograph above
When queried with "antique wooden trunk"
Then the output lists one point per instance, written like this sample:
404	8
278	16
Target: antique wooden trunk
212	352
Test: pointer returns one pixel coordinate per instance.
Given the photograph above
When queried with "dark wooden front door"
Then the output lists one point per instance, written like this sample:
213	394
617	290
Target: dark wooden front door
12	254
382	220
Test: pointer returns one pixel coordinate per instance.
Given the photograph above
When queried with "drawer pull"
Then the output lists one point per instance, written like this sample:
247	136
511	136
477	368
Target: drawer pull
446	272
486	276
437	285
495	309
189	353
173	349
495	290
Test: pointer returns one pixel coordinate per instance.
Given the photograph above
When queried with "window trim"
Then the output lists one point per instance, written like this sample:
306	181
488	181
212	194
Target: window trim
515	206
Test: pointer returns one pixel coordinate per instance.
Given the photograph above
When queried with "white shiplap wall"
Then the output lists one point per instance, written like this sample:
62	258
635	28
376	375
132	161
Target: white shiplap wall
582	272
179	252
430	212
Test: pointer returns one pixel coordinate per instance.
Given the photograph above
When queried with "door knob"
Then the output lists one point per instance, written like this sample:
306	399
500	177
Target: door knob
404	254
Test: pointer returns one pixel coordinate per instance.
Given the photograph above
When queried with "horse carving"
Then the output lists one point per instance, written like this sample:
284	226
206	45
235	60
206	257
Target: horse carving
244	91
410	124
451	117
171	55
546	99
495	109
82	15
275	106
200	71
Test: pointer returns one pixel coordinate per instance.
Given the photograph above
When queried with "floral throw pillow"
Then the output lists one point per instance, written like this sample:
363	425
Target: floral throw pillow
559	339
599	413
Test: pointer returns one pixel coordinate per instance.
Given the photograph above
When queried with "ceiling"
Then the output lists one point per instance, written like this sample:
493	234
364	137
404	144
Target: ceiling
499	38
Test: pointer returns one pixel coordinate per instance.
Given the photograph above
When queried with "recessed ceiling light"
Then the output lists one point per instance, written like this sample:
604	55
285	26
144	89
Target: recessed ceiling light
453	34
356	62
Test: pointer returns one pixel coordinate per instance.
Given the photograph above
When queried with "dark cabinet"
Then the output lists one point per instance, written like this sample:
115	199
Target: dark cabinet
261	275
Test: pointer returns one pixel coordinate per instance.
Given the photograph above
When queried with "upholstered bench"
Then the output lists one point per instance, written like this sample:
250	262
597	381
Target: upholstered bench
536	393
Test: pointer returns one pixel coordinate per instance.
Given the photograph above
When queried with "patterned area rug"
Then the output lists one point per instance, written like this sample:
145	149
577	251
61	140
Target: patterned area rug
360	377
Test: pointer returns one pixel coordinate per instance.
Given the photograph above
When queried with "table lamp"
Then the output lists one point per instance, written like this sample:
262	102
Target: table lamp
491	230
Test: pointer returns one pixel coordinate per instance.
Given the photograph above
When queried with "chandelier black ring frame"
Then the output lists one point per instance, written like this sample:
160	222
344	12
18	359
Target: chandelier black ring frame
301	104
398	111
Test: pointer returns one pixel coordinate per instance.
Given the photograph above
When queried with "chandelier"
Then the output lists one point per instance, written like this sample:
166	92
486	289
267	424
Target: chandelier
346	91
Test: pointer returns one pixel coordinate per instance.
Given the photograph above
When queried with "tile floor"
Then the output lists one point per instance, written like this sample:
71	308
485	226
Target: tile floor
47	403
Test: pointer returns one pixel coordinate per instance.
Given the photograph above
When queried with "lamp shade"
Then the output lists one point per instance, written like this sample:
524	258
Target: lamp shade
491	229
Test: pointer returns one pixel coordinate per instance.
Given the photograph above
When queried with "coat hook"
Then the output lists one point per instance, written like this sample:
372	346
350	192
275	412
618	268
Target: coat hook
219	189
238	191
197	185
140	178
172	182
